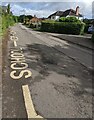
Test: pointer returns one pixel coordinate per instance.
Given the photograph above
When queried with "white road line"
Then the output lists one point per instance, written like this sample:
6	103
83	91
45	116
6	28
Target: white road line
15	43
29	103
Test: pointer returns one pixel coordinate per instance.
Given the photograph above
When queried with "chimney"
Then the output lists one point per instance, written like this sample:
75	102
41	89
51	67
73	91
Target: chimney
34	16
77	10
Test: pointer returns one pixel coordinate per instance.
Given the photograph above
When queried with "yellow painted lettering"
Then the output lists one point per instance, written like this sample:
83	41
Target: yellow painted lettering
13	66
27	74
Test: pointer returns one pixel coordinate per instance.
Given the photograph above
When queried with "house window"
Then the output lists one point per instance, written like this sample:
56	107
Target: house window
53	17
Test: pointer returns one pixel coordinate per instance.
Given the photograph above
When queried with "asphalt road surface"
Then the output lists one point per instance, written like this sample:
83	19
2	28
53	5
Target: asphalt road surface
45	77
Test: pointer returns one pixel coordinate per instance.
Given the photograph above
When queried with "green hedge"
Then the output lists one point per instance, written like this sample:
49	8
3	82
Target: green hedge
63	27
69	19
7	20
86	28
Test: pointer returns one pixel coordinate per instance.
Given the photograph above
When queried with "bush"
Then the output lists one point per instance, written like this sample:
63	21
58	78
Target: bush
63	27
49	21
86	28
62	19
69	19
33	25
7	20
88	23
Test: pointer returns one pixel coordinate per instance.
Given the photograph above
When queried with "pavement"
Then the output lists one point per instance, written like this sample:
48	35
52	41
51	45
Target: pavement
84	41
60	87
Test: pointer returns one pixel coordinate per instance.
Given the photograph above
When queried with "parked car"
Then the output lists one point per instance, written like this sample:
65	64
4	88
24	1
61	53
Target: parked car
91	29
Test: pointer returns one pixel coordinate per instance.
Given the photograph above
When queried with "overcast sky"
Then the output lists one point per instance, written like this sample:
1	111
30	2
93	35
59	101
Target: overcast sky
44	9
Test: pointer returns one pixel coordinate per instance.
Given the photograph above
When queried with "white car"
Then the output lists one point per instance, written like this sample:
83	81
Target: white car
91	29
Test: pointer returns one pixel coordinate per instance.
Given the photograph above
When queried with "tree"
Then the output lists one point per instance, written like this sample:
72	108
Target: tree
8	9
29	17
21	18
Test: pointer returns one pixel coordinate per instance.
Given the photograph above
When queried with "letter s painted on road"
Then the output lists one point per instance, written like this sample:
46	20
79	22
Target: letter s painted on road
29	74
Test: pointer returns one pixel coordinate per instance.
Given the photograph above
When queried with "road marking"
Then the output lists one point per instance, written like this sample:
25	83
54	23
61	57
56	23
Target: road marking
12	32
29	103
12	38
14	67
15	43
27	74
17	55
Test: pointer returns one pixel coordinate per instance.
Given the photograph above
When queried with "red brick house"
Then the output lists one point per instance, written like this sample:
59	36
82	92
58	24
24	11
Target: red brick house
35	20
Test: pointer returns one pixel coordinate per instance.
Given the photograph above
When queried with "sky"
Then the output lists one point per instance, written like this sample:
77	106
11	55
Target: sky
44	9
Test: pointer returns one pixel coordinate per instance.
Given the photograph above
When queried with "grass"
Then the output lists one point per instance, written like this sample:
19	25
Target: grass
1	33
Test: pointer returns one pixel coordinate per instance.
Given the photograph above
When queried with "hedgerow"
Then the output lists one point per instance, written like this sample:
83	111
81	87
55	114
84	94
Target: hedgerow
7	20
63	27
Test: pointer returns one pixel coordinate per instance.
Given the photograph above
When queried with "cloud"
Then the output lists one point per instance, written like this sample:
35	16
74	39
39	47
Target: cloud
93	10
44	9
48	1
18	10
38	13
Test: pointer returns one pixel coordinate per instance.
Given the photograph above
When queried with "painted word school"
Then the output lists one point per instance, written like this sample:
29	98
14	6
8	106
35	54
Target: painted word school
18	63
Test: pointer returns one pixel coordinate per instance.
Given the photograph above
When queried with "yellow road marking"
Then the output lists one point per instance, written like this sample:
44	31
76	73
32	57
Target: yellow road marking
15	43
27	72
12	38
29	103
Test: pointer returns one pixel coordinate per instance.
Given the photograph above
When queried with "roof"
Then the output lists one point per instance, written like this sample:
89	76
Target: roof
71	12
65	13
35	19
58	13
4	8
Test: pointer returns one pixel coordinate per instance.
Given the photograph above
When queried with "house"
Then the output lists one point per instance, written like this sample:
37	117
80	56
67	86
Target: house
35	20
4	9
67	13
56	15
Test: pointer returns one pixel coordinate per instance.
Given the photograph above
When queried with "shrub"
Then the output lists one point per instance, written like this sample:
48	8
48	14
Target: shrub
63	27
33	25
88	23
86	28
69	19
62	19
49	21
7	20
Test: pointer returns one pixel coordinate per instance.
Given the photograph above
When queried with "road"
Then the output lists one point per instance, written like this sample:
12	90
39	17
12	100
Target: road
79	54
59	84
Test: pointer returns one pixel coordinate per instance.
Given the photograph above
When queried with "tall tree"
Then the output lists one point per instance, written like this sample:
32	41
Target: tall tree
8	9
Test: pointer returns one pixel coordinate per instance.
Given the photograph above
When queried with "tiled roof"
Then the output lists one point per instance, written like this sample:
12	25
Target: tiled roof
65	13
58	13
35	19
